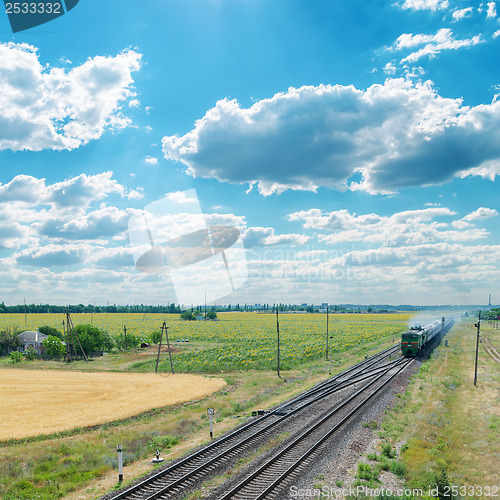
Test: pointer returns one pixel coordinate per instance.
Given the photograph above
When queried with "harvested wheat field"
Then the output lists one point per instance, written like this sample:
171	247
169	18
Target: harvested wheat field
37	402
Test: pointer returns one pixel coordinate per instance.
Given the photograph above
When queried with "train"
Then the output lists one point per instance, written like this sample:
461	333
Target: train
416	338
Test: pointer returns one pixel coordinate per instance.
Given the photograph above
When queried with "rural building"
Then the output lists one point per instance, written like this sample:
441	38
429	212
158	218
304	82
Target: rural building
32	339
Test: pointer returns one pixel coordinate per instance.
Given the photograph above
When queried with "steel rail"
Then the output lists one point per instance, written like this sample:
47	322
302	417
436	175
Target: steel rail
318	392
259	432
489	348
265	467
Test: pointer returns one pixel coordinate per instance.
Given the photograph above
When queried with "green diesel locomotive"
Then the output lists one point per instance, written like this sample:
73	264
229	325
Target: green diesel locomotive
414	340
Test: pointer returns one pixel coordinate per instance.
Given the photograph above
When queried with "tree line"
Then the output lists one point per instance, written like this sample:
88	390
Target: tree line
81	308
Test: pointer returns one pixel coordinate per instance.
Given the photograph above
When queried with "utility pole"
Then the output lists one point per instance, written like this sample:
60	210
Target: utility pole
168	347
326	353
164	327
278	332
331	354
478	326
159	349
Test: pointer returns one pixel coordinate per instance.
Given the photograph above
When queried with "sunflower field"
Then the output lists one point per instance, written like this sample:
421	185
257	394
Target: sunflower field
236	340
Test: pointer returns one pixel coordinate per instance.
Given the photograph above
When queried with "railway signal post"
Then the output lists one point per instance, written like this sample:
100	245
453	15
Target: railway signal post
210	413
330	371
478	326
120	463
278	332
326	353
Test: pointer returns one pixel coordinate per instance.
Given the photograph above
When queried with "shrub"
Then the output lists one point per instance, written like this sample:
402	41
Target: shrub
388	451
132	341
8	341
154	337
162	442
187	316
92	339
16	357
366	472
443	484
30	354
54	347
398	468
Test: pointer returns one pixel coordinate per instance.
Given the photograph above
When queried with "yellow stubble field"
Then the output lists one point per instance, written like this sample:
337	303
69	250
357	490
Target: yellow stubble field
34	402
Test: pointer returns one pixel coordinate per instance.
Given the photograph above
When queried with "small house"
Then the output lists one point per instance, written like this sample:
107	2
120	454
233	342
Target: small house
32	339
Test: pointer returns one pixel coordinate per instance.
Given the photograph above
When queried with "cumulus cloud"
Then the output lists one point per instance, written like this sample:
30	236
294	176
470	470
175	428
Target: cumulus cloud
424	4
461	13
13	235
432	44
151	160
265	236
44	107
105	222
392	135
422	273
492	10
76	192
390	69
481	213
52	255
33	213
410	227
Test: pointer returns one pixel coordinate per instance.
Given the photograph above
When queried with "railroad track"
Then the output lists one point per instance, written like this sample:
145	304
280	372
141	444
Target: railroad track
489	348
178	478
268	479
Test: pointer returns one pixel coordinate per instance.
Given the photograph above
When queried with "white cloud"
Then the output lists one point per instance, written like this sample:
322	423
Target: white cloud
481	213
52	255
265	236
389	69
105	222
422	274
411	227
432	44
14	235
424	4
43	107
492	10
462	13
151	160
77	192
180	197
394	135
33	213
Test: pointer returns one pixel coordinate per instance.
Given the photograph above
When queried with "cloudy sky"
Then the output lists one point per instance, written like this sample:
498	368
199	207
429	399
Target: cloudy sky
355	147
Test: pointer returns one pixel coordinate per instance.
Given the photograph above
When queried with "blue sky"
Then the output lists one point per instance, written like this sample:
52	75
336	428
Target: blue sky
354	145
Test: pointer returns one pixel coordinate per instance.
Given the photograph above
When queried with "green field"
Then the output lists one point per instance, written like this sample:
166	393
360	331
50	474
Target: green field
237	340
240	345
